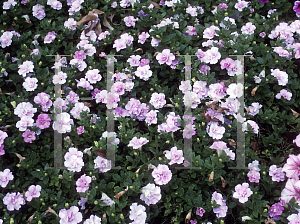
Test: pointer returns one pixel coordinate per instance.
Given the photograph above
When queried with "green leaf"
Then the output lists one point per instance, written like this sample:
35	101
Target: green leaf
260	60
13	66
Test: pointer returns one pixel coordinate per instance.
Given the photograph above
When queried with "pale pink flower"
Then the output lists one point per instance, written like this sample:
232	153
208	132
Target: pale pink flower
119	44
134	60
5	177
129	21
59	78
276	173
292	189
24	123
217	91
13	201
248	29
214	130
242	192
158	100
70	216
25	67
210	32
24	109
151	194
30	84
6	39
93	76
136	143
74	160
254	176
102	164
185	86
254	108
297	140
286	94
34	191
63	123
7	4
292	167
212	56
82	184
143	72
281	76
70	24
142	37
253	125
296	47
151	117
93	220
162	174
176	156
192	11
49	37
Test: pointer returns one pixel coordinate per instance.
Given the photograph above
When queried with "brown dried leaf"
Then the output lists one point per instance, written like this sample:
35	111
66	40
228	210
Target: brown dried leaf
295	114
106	23
253	91
228	80
188	218
28	21
21	158
232	143
221	109
104	216
30	218
87	104
139	49
156	53
211	176
248	111
118	195
254	146
87	18
89	28
212	105
100	152
269	221
13	23
51	211
156	5
1	91
98	29
137	171
7	54
97	11
223	182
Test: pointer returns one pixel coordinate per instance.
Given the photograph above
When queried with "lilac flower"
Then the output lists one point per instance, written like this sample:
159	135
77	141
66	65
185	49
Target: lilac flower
7	4
254	176
2	151
43	99
72	97
282	52
55	4
25	67
80	130
248	28
193	221
119	88
151	117
38	12
212	56
114	4
192	11
151	194
162	174
129	21
81	65
24	109
70	24
204	68
34	191
191	30
154	42
188	131
35	51
119	44
262	34
240	5
276	173
143	72
6	39
185	86
296	47
49	37
200	211
83	183
75	7
286	94
82	202
74	160
165	57
222	210
223	6
28	136
210	32
242	192
104	165
176	156
263	1
254	108
142	37
43	121
70	216
107	199
296	7
93	220
84	83
80	55
13	201
281	76
254	165
253	125
5	177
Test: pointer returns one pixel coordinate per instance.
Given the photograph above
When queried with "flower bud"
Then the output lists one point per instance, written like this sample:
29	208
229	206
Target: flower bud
67	205
96	202
40	63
